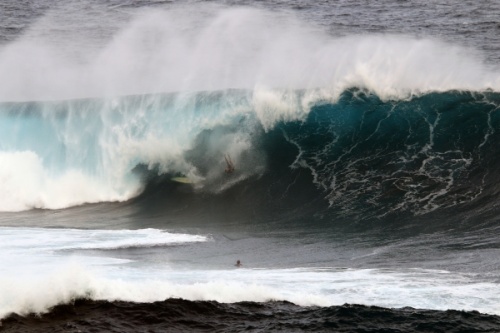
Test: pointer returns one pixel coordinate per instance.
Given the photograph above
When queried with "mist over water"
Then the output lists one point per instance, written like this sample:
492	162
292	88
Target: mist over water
207	48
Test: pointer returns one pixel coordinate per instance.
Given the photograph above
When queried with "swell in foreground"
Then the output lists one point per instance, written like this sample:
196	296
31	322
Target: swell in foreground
204	316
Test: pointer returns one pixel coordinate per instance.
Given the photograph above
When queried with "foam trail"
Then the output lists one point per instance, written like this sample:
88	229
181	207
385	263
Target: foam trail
39	264
321	287
34	240
39	272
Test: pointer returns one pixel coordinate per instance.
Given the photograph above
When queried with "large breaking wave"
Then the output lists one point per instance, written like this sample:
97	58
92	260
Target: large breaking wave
356	154
360	124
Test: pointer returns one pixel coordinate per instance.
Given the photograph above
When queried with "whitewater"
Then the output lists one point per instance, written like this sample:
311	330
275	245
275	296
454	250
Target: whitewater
365	150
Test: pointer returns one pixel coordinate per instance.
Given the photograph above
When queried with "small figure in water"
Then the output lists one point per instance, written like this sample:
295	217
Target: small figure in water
238	263
229	164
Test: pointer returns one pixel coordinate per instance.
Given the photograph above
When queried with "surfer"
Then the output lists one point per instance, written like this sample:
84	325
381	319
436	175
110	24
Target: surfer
238	263
229	164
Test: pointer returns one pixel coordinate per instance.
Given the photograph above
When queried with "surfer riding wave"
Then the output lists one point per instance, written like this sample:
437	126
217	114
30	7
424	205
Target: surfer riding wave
229	164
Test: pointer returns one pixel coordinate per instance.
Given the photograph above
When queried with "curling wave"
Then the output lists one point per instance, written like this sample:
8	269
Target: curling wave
358	154
358	159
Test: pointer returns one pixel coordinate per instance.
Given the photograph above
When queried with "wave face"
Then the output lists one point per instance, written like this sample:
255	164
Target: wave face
360	159
431	152
356	156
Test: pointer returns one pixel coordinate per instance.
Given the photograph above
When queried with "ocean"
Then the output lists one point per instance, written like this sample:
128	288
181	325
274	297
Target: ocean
363	134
